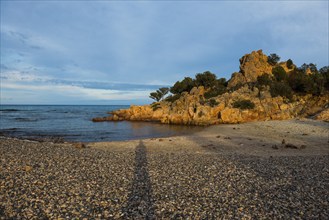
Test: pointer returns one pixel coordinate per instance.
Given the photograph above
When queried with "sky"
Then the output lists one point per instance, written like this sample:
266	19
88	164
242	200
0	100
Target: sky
117	52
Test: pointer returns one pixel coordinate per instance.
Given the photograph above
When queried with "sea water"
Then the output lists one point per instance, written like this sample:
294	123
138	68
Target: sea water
74	123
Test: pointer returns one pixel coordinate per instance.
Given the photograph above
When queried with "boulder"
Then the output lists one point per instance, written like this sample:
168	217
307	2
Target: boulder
231	116
253	65
237	79
323	115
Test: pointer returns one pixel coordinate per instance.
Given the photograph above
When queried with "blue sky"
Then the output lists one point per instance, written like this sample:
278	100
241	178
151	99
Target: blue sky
115	52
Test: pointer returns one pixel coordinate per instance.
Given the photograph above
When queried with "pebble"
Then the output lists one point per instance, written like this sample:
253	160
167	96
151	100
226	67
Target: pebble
58	181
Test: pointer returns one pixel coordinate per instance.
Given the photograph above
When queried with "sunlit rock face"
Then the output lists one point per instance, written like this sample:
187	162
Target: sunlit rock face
189	109
192	108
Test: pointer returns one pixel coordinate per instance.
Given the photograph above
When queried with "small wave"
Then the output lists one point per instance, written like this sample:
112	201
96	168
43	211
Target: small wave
26	119
9	110
9	129
52	110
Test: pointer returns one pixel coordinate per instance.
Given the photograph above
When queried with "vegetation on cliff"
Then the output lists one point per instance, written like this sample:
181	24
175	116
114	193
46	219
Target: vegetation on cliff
206	79
159	94
285	82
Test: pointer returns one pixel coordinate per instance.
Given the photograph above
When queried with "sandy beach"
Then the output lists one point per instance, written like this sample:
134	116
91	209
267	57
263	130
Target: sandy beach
272	169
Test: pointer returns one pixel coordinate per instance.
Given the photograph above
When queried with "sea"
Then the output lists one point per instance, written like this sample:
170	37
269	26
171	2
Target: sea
73	123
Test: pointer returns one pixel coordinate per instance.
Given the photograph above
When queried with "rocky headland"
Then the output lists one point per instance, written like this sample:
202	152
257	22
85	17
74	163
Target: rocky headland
264	89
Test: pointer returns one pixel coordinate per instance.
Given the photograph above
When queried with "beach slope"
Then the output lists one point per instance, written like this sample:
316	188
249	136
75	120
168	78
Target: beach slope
272	169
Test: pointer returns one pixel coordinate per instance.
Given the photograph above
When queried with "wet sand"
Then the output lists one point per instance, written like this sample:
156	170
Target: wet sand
273	169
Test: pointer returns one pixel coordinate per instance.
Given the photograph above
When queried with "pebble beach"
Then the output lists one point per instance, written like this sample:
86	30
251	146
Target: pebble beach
261	170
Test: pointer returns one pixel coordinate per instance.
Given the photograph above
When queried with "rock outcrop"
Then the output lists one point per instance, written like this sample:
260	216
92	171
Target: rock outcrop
253	65
192	108
323	115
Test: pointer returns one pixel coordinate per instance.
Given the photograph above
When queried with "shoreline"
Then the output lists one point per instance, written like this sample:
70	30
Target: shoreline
220	172
310	137
207	128
293	137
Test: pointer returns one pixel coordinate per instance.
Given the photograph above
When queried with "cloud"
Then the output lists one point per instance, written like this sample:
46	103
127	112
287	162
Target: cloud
28	78
38	88
30	39
135	46
79	92
13	93
3	67
17	76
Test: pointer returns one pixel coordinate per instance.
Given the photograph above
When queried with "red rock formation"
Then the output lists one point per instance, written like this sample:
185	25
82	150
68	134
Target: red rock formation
193	109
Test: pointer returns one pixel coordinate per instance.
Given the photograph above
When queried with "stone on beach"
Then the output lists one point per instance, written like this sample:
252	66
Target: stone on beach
198	176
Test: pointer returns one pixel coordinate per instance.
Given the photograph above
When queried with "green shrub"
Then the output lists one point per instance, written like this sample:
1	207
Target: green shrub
324	71
206	79
273	59
236	87
182	86
221	82
312	67
290	64
300	82
155	106
281	89
244	104
264	79
155	95
317	85
279	73
163	91
213	102
159	94
173	98
215	92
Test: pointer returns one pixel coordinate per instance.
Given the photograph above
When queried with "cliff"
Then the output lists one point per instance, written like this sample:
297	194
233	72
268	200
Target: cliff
243	101
253	65
190	110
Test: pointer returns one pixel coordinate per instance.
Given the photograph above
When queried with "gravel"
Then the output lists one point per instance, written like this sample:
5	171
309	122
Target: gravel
59	181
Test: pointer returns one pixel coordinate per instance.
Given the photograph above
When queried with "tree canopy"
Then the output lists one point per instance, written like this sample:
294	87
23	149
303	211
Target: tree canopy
206	79
159	94
306	79
182	86
273	59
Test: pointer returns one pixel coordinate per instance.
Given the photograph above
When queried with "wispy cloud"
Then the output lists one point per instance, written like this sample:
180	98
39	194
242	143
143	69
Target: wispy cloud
30	39
27	78
38	88
136	46
80	93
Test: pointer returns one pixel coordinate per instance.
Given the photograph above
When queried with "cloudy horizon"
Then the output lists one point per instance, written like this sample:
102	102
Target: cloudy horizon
111	52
